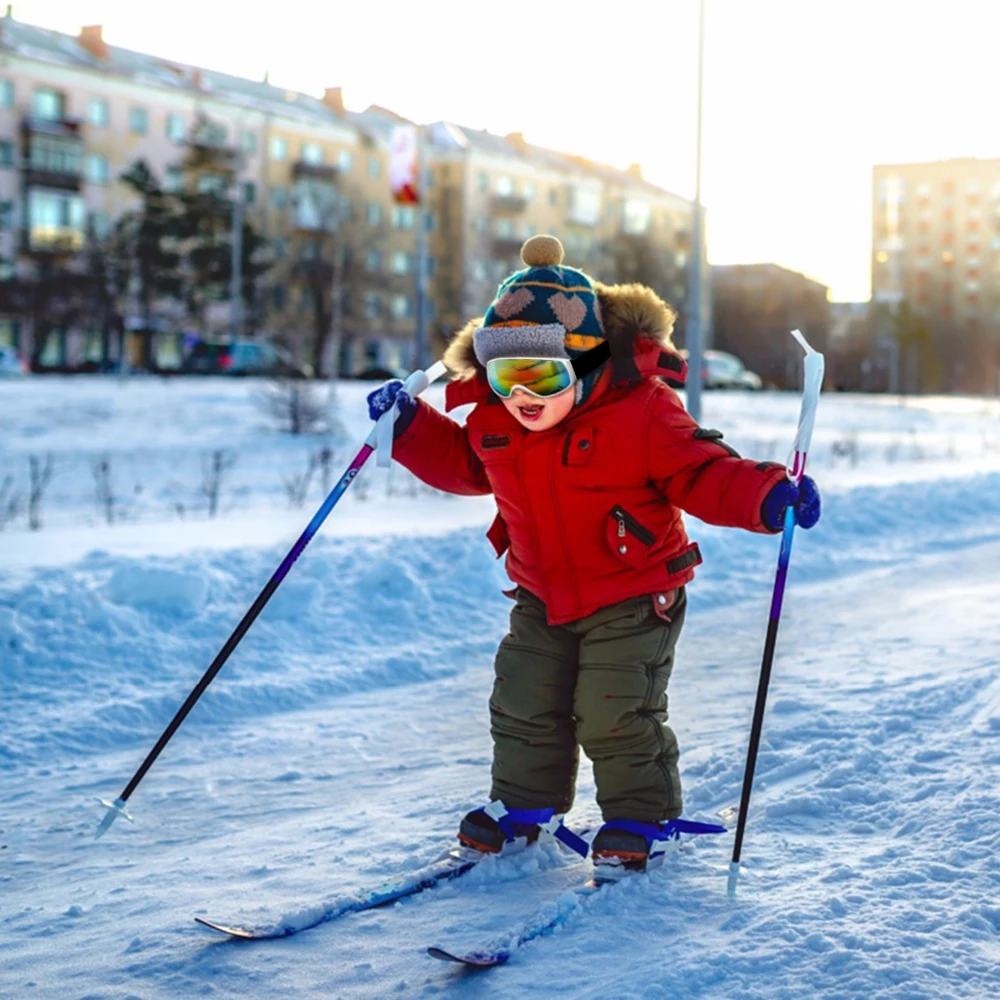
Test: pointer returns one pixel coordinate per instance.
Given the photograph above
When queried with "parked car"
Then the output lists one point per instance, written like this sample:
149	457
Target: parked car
11	363
242	357
722	370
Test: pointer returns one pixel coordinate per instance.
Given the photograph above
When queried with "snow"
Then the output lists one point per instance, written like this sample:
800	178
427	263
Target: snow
349	731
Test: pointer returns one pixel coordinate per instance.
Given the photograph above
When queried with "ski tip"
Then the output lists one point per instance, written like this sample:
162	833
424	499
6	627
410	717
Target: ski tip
487	961
234	932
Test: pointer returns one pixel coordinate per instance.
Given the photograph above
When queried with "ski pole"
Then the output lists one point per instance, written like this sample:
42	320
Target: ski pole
379	439
796	467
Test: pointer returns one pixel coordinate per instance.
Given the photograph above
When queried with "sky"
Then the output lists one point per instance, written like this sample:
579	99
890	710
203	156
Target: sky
801	97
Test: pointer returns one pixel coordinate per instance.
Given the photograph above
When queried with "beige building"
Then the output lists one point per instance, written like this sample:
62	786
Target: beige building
76	113
936	246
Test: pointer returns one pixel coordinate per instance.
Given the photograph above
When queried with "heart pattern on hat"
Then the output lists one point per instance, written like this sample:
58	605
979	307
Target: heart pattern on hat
571	311
513	301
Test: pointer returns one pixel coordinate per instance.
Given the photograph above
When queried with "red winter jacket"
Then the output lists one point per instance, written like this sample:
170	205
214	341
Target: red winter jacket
589	511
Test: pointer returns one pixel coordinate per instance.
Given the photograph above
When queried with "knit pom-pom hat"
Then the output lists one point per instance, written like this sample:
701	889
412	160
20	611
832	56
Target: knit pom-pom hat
543	311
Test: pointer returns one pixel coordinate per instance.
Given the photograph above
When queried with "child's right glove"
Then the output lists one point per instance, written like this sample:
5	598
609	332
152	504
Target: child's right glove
382	399
804	498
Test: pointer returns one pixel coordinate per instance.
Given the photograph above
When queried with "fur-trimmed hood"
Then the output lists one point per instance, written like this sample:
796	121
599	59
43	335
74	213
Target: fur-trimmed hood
634	317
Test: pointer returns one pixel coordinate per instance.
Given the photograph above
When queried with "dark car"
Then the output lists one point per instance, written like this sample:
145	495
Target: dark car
243	357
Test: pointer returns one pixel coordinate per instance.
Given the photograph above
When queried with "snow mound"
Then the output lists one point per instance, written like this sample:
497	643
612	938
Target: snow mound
148	585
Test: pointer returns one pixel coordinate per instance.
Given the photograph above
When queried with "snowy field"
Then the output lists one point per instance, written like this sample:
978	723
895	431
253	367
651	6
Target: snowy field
347	735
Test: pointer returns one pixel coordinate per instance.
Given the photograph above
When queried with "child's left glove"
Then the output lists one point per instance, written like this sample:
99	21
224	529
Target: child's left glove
804	498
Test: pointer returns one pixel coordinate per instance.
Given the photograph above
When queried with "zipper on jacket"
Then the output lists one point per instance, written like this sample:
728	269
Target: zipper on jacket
626	522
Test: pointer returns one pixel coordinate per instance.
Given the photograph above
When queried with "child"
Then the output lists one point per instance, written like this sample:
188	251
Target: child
591	459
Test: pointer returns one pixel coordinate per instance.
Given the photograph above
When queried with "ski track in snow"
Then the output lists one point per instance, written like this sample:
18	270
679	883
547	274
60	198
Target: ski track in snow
349	732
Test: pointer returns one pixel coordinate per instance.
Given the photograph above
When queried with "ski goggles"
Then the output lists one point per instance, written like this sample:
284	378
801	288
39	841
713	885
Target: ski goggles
542	377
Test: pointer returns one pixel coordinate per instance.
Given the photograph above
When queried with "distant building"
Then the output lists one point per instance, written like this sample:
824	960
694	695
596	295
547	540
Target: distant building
935	245
755	308
76	113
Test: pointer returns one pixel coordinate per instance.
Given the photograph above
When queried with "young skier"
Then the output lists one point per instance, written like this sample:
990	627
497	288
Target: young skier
591	458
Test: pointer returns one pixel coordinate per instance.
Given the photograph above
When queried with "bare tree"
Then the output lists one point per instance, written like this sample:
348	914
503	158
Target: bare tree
104	490
10	502
214	469
332	263
299	407
297	485
41	476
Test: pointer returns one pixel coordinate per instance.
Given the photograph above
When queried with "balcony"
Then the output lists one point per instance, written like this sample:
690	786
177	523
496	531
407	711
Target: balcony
508	203
315	171
53	154
506	246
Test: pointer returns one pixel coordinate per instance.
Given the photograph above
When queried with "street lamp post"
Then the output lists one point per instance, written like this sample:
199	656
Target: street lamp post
420	349
693	327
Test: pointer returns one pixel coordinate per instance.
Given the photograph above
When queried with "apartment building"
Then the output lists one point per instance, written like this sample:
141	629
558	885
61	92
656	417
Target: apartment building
936	246
76	113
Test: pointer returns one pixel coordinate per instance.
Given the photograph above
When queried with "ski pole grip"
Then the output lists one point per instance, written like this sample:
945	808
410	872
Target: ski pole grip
381	436
812	384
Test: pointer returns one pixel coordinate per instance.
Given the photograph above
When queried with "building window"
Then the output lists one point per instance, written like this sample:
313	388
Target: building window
403	217
55	219
483	182
97	168
53	154
175	128
345	160
480	223
173	180
6	154
505	187
47	104
97	112
504	228
374	213
947	258
374	167
400	262
138	121
312	152
213	184
249	193
401	306
6	93
248	142
279	298
100	225
279	147
373	261
637	216
279	198
479	270
373	305
6	215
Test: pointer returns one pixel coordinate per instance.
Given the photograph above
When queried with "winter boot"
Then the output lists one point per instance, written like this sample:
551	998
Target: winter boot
626	845
495	829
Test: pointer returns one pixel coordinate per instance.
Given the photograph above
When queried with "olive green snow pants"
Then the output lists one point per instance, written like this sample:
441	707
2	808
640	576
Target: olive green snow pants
601	683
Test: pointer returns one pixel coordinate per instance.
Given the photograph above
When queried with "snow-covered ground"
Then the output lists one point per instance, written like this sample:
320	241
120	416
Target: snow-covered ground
349	732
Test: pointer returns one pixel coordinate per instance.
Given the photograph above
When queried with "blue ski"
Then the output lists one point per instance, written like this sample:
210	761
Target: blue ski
452	865
545	921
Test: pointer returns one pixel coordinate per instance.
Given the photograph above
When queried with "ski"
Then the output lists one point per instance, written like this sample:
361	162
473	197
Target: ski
452	865
550	916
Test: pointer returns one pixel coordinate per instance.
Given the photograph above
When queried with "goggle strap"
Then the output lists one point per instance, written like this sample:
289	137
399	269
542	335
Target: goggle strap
592	360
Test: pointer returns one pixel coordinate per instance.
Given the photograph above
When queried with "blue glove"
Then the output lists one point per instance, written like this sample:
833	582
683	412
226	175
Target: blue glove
382	399
804	498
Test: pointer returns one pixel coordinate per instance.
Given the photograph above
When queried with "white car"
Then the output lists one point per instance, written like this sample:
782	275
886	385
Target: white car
11	363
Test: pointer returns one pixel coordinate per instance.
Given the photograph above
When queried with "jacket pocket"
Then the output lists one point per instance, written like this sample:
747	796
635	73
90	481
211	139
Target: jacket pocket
578	447
628	538
498	537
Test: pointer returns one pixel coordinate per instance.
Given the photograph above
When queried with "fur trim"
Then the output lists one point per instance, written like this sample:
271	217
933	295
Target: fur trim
460	356
628	312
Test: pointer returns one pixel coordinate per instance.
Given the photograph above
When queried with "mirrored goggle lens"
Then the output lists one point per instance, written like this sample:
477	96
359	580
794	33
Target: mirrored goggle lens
542	376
